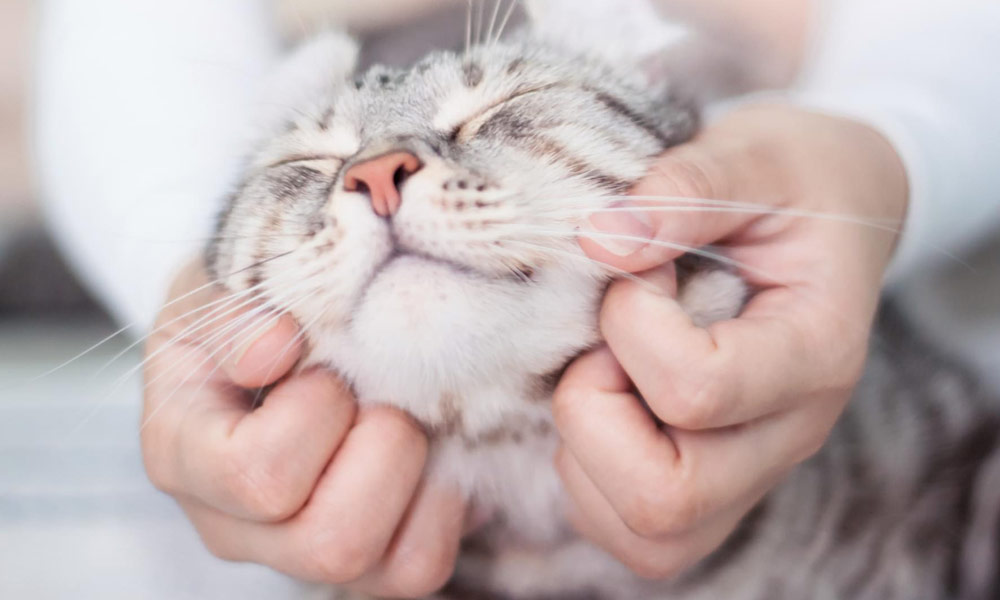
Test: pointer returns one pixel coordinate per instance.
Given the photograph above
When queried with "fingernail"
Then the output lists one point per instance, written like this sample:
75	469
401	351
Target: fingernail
620	231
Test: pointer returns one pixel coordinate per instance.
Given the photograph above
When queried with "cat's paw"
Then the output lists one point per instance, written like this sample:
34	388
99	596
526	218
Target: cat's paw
712	296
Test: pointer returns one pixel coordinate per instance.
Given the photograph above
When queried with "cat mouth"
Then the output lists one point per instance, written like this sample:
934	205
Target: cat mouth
461	270
400	253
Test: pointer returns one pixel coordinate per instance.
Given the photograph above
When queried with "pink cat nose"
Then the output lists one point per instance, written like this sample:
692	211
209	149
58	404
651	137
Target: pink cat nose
381	177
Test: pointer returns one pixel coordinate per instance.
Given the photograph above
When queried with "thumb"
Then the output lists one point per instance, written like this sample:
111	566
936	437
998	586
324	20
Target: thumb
253	346
262	348
657	225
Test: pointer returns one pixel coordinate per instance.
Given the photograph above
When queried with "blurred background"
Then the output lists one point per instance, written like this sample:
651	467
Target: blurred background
77	516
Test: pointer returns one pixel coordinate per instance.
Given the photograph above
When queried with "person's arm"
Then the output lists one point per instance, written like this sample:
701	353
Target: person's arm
920	72
141	115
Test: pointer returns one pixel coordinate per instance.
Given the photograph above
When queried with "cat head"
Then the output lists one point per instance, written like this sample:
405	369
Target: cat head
421	223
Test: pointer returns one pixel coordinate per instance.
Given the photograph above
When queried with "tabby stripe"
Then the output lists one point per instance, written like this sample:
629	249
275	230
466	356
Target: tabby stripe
971	456
638	120
544	147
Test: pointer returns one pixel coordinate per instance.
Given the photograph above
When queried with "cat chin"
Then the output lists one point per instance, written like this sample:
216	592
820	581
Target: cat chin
424	330
425	307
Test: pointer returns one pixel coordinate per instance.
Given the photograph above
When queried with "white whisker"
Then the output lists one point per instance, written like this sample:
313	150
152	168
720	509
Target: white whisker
881	224
584	258
112	336
219	362
493	20
468	27
479	22
188	331
506	20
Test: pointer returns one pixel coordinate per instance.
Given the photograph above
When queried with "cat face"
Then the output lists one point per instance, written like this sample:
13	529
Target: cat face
420	223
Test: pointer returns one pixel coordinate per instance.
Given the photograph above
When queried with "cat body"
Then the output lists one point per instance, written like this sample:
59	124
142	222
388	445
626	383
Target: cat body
461	299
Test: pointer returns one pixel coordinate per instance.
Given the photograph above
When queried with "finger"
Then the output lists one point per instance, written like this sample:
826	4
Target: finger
631	461
422	557
596	519
263	464
734	371
360	501
349	522
665	483
250	344
266	349
701	169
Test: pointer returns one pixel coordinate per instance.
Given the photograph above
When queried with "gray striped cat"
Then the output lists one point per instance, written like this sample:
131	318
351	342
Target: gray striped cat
421	225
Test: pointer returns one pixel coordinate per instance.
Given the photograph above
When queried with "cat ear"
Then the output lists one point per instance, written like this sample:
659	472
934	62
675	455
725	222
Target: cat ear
621	32
308	79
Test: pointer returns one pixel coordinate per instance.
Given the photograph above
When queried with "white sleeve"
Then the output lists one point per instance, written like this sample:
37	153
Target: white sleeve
924	73
141	115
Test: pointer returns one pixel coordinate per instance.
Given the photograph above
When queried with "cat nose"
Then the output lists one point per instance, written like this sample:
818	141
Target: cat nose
381	178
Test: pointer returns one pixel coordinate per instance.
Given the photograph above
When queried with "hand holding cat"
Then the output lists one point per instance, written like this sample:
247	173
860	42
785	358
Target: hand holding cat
747	399
306	483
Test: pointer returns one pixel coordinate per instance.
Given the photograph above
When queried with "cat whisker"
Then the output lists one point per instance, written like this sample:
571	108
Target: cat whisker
209	357
832	217
468	27
584	258
227	238
275	304
296	291
682	204
122	379
770	279
479	22
506	20
493	21
188	330
201	323
214	315
116	334
236	329
764	208
299	336
681	248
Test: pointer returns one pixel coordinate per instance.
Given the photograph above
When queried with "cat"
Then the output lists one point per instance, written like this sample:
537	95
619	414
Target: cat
421	225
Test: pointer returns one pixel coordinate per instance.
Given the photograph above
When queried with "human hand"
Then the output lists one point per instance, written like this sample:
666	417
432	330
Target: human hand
305	483
747	399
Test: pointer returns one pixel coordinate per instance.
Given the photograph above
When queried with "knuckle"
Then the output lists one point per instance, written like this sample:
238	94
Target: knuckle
260	490
658	512
563	401
653	567
696	398
400	432
424	572
841	364
339	558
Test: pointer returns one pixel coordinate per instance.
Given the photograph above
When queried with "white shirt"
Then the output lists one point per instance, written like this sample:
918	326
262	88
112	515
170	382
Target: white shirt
143	104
